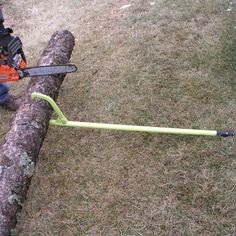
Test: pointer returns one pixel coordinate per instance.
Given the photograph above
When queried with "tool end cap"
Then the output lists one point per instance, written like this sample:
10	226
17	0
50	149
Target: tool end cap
225	133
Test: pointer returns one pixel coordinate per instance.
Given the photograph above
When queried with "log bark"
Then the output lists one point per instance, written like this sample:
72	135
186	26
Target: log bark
22	143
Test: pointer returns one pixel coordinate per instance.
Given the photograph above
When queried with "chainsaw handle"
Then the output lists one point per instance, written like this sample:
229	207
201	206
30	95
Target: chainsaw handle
4	31
1	16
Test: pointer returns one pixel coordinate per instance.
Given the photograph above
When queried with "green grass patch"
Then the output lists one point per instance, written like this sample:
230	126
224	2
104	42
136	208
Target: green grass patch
168	64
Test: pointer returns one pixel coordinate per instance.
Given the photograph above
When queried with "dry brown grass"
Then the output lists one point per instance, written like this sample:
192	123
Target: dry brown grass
168	64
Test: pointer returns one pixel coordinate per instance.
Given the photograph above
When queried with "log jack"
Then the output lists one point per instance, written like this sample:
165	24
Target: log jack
62	121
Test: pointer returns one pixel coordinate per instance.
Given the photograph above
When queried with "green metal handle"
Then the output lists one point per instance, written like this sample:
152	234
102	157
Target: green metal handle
133	128
62	121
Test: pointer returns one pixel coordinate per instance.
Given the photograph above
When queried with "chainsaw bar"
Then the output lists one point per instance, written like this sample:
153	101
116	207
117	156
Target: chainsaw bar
46	70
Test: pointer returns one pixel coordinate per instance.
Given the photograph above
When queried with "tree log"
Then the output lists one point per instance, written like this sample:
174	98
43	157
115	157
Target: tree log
22	143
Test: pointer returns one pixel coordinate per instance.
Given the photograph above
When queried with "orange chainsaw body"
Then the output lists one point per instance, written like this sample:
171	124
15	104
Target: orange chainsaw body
10	74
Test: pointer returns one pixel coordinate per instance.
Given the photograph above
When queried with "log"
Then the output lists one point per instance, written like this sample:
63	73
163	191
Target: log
21	145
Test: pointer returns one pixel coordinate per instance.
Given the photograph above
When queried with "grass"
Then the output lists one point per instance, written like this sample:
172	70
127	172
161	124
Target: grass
168	64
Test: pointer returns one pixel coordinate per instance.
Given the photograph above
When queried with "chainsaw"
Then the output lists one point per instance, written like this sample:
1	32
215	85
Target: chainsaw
13	65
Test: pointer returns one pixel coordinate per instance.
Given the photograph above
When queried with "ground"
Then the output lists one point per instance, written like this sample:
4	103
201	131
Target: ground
158	63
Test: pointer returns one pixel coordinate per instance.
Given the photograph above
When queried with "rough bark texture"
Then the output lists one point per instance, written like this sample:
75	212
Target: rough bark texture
21	146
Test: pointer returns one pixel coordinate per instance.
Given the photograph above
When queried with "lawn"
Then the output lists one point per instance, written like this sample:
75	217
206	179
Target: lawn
159	63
